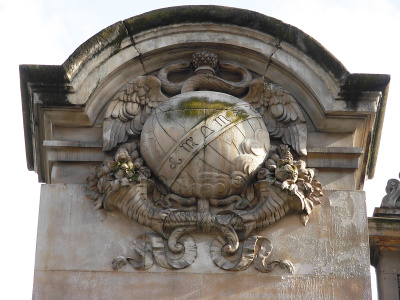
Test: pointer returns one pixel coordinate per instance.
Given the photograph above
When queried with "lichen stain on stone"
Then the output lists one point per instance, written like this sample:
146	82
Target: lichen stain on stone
357	84
194	103
111	36
203	107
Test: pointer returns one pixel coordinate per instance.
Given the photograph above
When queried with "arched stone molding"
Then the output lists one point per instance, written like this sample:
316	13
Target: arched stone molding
341	108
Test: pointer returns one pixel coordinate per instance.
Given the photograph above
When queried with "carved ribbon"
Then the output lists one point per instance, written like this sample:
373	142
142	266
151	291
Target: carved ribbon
153	245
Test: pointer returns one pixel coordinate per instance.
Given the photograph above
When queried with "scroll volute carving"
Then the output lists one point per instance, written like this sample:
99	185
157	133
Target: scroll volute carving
202	161
392	198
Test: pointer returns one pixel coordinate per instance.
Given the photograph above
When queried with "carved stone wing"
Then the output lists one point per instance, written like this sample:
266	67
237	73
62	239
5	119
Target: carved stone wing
128	111
281	113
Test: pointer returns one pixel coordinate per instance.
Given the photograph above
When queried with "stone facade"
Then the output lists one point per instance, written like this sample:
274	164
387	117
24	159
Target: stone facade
202	152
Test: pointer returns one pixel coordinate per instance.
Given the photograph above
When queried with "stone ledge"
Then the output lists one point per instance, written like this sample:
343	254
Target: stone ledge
384	237
109	285
384	212
71	144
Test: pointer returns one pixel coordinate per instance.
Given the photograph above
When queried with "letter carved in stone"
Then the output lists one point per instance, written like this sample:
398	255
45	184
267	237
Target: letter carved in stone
204	163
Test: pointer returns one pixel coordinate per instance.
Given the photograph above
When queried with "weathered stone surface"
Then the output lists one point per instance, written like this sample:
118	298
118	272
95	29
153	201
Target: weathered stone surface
210	128
263	45
97	115
212	164
75	250
384	239
106	285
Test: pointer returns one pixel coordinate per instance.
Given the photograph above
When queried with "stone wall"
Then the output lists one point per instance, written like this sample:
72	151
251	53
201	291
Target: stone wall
83	127
75	249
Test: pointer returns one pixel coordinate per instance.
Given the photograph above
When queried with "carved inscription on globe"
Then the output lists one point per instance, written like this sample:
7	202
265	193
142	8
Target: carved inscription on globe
205	144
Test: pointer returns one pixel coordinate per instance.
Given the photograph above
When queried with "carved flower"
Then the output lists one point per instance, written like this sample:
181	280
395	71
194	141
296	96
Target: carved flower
306	174
138	163
134	155
102	171
129	174
145	172
237	180
270	165
120	174
122	154
286	171
263	174
103	185
124	182
293	177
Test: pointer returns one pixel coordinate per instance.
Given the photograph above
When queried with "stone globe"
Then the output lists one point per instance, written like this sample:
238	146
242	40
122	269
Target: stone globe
205	144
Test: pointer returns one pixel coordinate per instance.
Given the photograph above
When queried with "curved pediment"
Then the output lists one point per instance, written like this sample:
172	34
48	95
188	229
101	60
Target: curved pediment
339	108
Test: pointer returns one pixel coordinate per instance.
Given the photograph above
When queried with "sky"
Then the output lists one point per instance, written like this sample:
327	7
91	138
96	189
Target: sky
362	34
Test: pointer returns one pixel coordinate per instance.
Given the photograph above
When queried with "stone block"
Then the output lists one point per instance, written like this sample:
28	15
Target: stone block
75	249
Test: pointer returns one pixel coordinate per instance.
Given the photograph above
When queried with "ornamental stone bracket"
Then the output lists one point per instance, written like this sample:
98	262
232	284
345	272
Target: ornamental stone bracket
218	133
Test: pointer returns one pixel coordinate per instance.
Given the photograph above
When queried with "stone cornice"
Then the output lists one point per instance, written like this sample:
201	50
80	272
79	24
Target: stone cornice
384	236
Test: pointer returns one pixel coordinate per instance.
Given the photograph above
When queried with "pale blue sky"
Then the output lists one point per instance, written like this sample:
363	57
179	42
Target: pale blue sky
361	34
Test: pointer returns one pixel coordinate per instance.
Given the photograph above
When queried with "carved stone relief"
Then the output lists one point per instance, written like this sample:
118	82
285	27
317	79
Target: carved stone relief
196	156
392	198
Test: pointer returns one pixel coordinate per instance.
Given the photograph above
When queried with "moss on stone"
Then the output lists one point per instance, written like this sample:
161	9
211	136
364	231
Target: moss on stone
376	134
353	85
194	103
352	91
356	84
44	74
243	18
51	84
204	108
111	36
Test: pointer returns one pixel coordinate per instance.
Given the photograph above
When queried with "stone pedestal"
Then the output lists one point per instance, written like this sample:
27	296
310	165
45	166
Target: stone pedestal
384	239
75	249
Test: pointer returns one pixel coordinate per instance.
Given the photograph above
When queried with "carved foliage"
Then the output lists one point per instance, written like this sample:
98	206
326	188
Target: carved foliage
205	176
147	201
